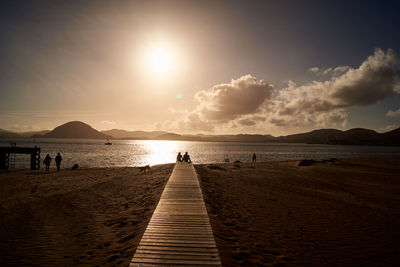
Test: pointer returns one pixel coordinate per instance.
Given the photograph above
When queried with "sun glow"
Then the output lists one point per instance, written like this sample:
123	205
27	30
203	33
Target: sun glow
161	61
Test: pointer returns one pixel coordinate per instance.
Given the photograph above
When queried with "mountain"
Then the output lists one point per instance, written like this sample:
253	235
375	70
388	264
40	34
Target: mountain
8	135
356	136
247	138
75	129
172	136
392	137
33	134
123	134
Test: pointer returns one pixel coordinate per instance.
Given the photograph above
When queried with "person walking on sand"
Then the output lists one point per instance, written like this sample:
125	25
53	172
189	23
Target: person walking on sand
47	161
254	157
58	161
179	157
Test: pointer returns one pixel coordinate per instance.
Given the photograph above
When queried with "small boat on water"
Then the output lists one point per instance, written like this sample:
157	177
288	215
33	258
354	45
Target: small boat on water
108	143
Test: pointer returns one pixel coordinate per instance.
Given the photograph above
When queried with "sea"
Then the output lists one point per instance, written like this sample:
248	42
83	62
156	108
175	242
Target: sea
132	153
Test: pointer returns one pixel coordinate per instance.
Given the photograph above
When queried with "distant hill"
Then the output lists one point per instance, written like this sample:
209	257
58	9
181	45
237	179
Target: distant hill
33	133
75	129
356	136
317	136
123	134
8	135
173	136
392	137
247	138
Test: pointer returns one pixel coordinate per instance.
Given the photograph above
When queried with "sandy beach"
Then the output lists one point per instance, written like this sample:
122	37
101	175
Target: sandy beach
341	213
334	213
86	217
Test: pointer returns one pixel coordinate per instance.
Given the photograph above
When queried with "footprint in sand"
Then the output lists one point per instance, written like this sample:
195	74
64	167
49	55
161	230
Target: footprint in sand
126	238
112	258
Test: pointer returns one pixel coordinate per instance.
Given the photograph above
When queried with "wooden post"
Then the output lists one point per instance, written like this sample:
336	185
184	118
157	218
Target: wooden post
3	165
6	151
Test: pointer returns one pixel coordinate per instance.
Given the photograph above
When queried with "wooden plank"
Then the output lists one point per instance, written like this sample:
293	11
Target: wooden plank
177	249
185	262
177	256
166	252
179	232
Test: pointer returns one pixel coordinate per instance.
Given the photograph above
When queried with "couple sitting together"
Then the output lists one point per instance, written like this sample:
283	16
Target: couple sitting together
185	158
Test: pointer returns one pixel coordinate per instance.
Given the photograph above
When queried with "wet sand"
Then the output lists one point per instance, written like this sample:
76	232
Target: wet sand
86	217
338	213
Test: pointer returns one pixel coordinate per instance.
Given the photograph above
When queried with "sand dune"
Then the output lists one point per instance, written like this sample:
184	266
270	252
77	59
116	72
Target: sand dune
335	213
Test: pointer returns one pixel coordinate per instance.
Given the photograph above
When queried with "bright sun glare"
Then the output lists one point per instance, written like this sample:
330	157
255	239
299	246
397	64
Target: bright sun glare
160	60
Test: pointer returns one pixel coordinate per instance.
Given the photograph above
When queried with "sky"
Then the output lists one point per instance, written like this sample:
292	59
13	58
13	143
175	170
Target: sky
211	67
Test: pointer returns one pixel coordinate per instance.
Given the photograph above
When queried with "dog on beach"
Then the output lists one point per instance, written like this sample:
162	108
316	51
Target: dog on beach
145	168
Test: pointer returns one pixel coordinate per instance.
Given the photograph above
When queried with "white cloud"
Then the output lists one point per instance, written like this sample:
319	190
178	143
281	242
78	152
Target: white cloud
225	102
393	113
248	102
329	71
108	123
373	81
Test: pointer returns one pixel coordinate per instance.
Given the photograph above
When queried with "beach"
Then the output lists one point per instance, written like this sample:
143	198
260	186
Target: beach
86	217
334	212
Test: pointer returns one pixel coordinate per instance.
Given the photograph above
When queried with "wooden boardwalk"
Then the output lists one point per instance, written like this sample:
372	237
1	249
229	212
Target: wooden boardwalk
179	232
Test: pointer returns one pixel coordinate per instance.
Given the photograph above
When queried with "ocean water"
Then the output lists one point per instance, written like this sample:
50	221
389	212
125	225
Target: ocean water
93	153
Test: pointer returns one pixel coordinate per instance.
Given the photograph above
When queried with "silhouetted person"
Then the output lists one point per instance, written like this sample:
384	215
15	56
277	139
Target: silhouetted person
186	157
179	157
47	161
58	161
254	157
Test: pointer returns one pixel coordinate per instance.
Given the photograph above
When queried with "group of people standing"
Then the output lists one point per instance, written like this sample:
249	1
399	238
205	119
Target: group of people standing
47	161
184	158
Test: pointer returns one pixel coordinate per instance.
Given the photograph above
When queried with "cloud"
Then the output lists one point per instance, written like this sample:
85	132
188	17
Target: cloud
108	123
395	113
247	102
334	72
227	105
228	101
374	80
247	122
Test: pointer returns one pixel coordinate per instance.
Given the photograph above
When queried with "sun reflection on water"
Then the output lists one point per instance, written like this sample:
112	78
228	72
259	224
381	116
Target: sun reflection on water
159	152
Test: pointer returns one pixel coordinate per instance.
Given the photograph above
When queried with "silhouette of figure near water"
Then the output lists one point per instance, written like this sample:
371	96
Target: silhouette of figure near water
47	161
186	158
58	161
254	157
179	157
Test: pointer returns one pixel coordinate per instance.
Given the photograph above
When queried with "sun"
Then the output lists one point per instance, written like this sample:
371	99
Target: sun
160	60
